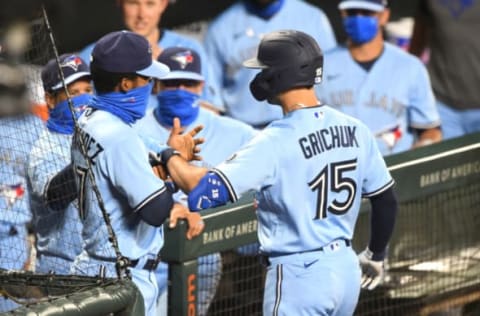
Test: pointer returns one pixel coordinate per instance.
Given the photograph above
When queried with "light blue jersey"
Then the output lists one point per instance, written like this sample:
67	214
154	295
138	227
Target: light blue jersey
392	98
17	136
125	180
223	136
233	37
171	39
58	232
311	170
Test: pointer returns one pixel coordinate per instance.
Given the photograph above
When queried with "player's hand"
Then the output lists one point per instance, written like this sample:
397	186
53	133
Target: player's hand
194	220
185	143
372	271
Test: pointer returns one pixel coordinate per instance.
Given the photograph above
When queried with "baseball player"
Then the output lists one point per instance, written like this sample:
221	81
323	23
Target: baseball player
143	17
378	83
179	97
18	132
136	200
234	36
56	222
311	170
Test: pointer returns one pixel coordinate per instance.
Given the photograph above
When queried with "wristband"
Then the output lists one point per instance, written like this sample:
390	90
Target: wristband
166	154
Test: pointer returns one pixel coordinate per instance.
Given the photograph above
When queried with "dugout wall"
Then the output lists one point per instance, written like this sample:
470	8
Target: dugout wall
434	255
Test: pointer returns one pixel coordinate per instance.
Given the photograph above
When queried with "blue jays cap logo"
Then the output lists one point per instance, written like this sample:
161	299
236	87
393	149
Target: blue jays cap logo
183	58
12	193
72	62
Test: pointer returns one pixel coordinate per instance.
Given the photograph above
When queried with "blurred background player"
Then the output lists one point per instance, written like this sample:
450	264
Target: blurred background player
178	96
19	129
143	17
233	37
56	221
448	29
379	83
136	200
305	220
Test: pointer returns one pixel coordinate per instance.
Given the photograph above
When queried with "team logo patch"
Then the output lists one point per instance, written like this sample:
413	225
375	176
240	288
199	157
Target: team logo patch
391	136
72	62
183	58
12	193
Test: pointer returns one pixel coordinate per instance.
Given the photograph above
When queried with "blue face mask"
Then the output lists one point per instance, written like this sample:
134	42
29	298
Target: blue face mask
176	103
129	106
265	12
360	29
60	118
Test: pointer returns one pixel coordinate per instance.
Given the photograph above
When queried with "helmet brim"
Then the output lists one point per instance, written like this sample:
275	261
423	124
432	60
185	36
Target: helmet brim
254	63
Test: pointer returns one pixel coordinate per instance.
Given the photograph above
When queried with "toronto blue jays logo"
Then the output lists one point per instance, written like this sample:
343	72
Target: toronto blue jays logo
183	58
11	193
457	7
72	62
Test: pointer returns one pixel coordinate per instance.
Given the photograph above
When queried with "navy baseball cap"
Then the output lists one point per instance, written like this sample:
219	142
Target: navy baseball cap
126	52
371	5
184	63
72	66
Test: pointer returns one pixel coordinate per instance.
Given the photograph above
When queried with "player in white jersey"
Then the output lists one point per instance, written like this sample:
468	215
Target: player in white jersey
56	223
233	37
137	202
378	83
311	170
144	17
179	97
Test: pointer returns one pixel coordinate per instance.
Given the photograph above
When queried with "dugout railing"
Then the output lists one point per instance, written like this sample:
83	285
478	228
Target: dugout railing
434	255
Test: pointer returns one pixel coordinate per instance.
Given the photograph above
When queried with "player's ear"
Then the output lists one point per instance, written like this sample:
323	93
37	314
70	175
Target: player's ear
384	17
125	84
50	100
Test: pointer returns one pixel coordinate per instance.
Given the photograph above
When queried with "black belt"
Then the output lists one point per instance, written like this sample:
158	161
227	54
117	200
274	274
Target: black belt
264	258
150	265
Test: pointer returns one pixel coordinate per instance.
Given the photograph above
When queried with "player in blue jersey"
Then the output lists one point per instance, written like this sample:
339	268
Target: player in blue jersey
143	17
378	83
311	170
137	202
234	36
56	223
179	97
18	132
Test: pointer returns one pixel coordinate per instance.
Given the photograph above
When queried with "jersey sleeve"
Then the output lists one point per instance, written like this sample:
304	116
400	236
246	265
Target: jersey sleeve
376	177
43	164
423	112
327	38
250	168
126	165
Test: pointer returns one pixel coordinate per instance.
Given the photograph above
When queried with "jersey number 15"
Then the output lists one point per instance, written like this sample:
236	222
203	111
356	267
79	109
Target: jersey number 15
332	179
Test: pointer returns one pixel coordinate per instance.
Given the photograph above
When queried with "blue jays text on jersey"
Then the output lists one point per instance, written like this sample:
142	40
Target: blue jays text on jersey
327	139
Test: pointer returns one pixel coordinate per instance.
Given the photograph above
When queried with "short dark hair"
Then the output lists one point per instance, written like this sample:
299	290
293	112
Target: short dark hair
105	81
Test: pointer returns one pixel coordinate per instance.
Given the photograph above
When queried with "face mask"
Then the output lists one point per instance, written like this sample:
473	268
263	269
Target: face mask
177	103
129	106
360	29
60	118
264	11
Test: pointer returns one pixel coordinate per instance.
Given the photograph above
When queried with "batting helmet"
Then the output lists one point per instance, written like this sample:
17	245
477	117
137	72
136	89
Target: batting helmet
288	59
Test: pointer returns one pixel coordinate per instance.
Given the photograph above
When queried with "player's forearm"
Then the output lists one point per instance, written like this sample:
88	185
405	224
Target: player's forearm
428	136
384	213
185	175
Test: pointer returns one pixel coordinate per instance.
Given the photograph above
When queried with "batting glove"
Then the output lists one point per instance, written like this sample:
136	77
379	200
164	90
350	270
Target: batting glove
372	270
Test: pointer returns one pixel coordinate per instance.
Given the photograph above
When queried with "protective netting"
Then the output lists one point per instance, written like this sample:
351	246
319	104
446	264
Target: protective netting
433	264
40	240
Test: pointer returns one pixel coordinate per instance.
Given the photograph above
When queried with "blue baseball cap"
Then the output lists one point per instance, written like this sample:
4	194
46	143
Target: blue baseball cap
72	67
126	52
372	5
184	63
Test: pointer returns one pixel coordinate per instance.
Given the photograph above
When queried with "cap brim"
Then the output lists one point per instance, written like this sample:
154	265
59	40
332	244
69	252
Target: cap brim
71	79
254	63
353	4
183	75
155	70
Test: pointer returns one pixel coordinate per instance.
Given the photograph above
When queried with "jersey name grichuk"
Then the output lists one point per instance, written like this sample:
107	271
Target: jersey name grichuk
327	139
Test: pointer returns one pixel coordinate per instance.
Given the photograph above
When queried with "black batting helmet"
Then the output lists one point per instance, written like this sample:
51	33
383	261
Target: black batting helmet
288	59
